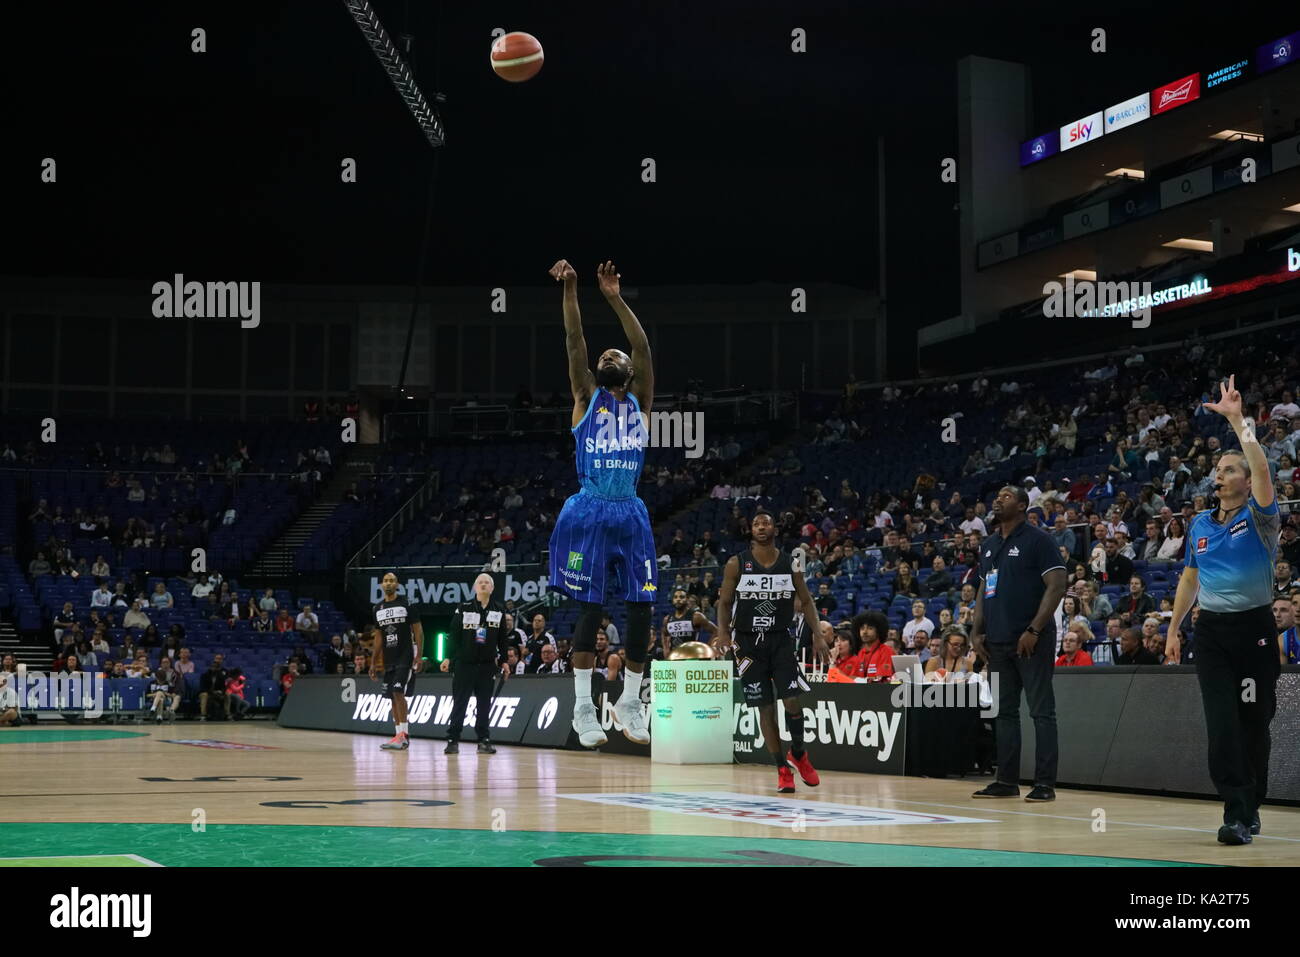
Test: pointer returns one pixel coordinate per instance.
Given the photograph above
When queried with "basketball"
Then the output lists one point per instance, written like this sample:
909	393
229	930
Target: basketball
516	57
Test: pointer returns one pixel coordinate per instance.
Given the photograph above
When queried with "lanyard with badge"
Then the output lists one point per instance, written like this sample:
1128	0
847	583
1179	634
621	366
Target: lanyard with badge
991	579
473	621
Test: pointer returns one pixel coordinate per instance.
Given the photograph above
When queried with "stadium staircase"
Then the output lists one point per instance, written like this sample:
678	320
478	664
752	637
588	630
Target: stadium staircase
26	651
278	560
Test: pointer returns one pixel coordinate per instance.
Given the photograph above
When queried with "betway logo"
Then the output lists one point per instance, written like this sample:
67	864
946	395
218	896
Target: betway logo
1293	260
455	592
432	709
829	724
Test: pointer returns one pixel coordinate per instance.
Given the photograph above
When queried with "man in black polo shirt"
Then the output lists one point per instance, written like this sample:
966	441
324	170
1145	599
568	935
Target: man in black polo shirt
479	643
1021	581
1131	651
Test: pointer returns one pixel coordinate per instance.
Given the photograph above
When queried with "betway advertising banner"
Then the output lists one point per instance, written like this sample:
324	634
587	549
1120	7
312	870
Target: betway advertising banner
847	727
440	589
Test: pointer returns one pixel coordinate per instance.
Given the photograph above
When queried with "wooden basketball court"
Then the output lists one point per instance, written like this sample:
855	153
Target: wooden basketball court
252	793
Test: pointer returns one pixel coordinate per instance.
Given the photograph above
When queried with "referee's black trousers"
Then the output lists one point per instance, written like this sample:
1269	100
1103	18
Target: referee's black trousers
471	679
1237	666
1033	676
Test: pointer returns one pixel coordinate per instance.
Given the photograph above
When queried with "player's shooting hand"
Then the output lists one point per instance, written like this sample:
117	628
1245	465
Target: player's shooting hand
563	272
446	664
607	277
1229	404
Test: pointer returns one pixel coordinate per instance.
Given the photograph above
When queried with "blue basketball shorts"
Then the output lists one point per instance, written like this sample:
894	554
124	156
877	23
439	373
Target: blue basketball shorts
604	548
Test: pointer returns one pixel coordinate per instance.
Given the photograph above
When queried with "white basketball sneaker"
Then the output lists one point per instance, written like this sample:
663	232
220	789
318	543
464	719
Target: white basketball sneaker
631	715
587	725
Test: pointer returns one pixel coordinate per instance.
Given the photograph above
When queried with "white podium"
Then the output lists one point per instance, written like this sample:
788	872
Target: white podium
691	712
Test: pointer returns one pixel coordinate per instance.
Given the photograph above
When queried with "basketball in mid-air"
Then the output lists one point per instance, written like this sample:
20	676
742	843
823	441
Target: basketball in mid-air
516	56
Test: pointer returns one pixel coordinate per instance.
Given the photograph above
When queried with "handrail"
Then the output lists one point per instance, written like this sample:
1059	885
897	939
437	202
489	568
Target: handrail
405	512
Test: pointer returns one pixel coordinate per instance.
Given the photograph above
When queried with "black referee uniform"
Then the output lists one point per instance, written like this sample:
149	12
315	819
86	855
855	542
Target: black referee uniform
479	643
1011	589
1236	660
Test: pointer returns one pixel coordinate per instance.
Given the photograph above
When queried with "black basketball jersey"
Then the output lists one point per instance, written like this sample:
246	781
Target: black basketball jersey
394	619
680	630
764	595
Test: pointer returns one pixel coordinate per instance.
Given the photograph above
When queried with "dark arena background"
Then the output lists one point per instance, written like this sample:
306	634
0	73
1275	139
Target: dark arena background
279	316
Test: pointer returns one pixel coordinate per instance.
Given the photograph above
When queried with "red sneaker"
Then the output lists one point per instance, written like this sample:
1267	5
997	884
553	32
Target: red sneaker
398	743
805	769
785	780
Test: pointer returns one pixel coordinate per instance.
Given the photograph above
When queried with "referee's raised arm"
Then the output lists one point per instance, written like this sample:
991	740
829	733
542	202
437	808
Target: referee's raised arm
1230	407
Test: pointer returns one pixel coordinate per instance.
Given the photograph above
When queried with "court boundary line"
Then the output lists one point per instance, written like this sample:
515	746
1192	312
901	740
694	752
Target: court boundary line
63	857
1067	817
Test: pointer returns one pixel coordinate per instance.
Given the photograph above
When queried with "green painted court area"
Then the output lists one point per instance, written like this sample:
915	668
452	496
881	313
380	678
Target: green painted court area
264	845
52	735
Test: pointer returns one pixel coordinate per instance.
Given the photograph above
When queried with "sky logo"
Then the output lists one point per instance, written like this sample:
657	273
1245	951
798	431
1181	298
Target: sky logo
1082	130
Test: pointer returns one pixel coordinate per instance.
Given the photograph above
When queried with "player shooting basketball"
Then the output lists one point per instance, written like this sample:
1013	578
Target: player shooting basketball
603	535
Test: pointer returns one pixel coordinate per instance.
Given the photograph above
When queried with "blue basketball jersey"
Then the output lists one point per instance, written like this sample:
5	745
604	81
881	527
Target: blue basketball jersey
1235	560
610	446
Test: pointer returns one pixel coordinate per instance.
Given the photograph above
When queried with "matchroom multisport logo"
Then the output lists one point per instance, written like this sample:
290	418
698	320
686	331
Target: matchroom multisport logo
179	299
77	910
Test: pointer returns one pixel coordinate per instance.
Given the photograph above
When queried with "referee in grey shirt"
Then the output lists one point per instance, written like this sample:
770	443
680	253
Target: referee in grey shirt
1230	552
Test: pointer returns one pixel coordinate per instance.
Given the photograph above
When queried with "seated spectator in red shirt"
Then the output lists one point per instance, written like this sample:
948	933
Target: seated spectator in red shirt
1072	653
289	677
876	656
235	693
847	660
284	621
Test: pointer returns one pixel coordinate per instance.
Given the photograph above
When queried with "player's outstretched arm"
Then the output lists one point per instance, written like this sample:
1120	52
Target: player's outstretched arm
581	381
643	371
1230	407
